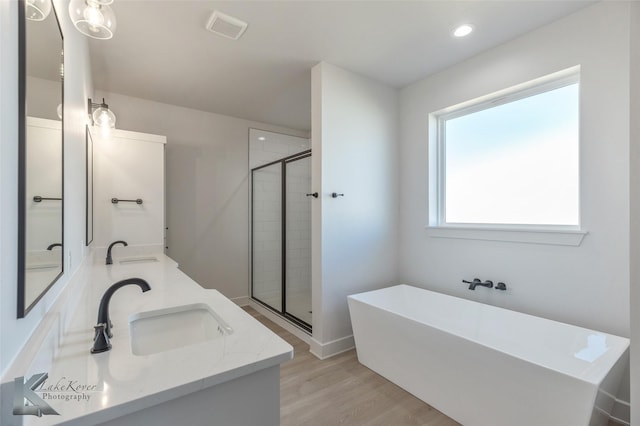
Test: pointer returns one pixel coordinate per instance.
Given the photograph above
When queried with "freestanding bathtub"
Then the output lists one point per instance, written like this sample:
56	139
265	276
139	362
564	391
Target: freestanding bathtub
487	366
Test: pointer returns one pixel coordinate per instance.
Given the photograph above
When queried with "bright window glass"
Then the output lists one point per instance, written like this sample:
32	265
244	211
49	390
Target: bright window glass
514	163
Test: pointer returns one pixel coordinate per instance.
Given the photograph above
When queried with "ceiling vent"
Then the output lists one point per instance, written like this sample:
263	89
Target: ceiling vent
226	26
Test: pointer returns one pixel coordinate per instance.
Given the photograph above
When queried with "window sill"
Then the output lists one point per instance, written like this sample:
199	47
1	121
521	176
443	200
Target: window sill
529	236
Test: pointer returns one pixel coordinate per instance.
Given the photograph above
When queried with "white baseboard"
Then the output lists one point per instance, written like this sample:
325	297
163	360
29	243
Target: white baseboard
334	347
282	322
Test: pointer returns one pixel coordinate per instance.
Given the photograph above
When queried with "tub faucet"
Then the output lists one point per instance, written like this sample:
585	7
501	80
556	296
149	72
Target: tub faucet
476	282
109	258
103	328
51	246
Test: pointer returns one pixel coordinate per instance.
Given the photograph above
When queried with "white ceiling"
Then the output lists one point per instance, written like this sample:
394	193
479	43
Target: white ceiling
161	50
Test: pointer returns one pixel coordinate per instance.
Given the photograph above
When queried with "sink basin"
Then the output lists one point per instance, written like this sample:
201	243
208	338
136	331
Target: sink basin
171	328
138	260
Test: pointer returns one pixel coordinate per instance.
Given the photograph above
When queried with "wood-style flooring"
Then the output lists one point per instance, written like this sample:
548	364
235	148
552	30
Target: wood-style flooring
341	391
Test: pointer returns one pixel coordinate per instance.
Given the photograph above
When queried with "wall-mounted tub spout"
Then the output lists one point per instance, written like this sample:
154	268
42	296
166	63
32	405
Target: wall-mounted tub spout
476	282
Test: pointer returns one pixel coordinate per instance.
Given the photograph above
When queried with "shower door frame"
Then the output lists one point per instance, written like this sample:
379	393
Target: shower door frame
283	263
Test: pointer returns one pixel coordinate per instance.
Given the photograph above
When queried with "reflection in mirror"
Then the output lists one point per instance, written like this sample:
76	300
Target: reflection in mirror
40	220
89	198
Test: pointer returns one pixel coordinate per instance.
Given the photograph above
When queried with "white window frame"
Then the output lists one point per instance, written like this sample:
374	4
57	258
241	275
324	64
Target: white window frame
526	233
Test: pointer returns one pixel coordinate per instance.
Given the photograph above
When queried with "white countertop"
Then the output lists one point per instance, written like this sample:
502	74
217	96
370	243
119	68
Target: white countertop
125	382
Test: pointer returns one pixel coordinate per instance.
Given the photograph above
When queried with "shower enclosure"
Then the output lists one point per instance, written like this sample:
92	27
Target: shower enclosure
281	237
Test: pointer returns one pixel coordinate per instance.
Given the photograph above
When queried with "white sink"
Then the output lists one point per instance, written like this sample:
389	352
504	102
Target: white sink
138	260
171	328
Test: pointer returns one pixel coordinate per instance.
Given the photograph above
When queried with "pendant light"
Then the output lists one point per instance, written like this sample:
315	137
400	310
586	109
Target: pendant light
37	10
93	18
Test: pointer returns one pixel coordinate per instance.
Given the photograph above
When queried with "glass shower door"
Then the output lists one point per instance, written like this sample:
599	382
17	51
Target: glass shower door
266	222
298	239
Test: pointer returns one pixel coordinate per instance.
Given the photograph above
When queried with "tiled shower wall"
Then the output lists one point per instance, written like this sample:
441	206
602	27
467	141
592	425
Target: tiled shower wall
298	234
267	235
267	225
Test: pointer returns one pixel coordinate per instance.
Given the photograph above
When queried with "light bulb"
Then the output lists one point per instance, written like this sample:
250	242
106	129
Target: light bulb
93	18
102	117
463	30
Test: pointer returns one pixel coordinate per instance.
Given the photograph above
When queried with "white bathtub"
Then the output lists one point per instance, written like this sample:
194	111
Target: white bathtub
483	365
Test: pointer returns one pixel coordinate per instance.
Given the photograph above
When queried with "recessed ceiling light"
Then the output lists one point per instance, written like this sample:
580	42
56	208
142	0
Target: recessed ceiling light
262	138
463	30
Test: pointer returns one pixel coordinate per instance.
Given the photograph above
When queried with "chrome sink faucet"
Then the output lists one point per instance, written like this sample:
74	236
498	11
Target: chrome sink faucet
101	341
109	258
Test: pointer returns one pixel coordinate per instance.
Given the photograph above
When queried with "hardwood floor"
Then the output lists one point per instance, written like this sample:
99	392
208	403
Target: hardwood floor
341	391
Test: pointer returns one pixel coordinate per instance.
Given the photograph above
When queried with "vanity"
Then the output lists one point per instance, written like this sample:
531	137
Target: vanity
180	354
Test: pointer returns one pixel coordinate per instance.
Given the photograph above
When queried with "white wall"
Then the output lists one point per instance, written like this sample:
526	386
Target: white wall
207	178
13	332
634	158
354	238
129	166
586	285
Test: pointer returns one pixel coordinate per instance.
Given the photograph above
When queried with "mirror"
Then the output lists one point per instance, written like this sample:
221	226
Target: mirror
89	198
40	152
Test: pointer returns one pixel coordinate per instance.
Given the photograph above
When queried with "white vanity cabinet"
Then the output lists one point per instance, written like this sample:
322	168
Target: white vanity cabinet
129	166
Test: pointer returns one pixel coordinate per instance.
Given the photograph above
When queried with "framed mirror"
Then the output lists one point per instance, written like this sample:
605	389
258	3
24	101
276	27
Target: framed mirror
89	180
40	152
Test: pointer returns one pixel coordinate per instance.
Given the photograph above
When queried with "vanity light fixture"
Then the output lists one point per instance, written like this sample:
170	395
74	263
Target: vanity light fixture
463	30
93	18
101	115
37	10
262	138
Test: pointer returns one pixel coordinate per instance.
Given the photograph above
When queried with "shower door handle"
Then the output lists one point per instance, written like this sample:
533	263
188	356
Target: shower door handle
313	194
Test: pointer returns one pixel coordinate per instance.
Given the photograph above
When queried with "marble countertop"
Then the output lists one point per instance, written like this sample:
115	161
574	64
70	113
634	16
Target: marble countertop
117	382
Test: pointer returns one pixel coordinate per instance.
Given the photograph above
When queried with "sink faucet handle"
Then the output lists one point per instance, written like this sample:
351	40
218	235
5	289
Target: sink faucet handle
101	341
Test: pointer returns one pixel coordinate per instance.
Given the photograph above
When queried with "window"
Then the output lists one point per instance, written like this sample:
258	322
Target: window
510	160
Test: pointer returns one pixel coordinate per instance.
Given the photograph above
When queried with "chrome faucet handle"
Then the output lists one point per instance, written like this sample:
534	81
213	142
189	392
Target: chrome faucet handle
101	341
